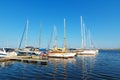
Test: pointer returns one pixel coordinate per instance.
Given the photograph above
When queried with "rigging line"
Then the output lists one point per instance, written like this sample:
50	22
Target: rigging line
22	36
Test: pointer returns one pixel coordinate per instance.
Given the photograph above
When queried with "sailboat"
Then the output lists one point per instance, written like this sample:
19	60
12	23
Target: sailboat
63	53
28	49
84	51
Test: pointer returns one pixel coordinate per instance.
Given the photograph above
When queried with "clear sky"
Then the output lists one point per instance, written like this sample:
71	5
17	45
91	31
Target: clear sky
102	17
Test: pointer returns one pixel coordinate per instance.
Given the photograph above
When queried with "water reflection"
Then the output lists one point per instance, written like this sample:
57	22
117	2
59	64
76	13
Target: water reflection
73	68
6	63
104	66
87	63
60	67
81	67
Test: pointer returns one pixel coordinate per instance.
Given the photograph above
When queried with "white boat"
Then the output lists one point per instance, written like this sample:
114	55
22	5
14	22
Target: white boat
84	51
63	53
28	50
7	52
88	52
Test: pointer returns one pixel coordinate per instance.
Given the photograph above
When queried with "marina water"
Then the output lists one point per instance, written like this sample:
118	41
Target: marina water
104	66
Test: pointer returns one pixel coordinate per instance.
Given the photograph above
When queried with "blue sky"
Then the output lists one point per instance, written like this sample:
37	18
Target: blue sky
100	16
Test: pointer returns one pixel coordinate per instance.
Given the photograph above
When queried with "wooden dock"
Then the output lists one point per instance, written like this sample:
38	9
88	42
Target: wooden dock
27	59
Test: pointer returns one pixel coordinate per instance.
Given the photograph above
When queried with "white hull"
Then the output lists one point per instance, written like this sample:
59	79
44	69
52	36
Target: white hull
62	55
3	55
88	52
7	52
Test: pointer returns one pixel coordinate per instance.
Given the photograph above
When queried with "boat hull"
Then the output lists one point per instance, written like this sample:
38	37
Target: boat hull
61	55
88	52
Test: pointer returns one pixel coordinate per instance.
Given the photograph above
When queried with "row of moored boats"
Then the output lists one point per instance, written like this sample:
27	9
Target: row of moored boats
54	52
9	52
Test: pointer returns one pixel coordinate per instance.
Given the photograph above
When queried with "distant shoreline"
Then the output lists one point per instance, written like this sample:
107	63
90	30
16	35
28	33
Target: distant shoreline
109	49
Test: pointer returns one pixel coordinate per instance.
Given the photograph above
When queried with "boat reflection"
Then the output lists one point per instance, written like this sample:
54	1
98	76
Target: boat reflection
6	63
87	63
60	66
62	60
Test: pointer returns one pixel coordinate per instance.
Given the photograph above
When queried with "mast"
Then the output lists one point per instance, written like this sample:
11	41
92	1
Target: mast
49	40
26	40
90	39
55	37
23	35
64	34
82	35
39	41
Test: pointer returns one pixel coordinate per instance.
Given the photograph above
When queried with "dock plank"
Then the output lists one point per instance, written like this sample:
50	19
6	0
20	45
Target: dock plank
24	58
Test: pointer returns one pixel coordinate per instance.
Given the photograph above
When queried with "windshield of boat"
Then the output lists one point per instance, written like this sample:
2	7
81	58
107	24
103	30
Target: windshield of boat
9	50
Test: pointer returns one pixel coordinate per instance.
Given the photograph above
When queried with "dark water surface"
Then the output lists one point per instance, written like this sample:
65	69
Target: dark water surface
104	66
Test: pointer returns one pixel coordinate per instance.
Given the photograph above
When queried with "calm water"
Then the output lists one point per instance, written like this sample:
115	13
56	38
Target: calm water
104	66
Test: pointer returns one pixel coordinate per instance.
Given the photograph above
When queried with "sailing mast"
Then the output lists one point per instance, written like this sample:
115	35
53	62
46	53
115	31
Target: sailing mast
26	28
82	33
91	43
26	40
39	42
64	34
55	38
84	36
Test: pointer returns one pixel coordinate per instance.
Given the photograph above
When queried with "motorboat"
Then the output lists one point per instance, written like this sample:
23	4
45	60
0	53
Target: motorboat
7	52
